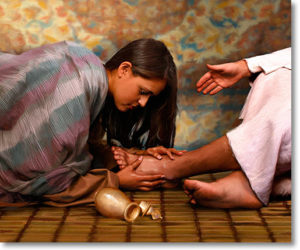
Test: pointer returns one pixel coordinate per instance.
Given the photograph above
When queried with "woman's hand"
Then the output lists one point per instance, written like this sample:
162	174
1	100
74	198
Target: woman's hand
157	152
222	76
129	179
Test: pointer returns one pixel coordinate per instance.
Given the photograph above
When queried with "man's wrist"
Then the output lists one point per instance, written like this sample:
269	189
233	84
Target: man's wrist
245	69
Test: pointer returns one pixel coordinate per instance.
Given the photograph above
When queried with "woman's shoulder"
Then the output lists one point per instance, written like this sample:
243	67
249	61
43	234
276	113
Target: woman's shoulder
77	48
67	47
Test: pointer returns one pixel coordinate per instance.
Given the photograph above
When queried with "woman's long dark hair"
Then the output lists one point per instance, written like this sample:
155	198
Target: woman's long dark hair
155	124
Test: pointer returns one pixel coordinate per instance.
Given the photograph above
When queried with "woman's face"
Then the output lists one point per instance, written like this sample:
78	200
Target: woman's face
130	91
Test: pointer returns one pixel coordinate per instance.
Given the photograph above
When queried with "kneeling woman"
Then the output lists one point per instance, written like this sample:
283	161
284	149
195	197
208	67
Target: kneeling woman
57	100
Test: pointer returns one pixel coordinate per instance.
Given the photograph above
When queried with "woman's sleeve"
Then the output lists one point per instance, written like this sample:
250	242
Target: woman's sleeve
83	190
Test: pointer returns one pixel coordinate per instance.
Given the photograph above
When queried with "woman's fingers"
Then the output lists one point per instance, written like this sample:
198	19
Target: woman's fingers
162	150
136	163
155	152
158	151
151	177
156	155
177	152
152	183
168	152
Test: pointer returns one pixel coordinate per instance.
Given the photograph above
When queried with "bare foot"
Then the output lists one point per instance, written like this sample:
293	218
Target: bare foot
231	191
122	157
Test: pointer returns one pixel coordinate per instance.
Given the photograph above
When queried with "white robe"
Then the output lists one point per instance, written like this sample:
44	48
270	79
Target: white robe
262	143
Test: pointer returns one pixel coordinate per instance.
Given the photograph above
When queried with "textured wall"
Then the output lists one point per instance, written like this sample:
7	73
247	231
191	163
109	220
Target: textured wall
196	32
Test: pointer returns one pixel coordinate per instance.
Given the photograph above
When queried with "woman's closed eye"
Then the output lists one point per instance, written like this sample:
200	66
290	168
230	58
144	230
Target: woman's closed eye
145	92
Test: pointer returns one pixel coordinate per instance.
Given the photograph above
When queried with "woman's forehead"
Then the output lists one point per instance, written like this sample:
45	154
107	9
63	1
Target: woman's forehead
153	85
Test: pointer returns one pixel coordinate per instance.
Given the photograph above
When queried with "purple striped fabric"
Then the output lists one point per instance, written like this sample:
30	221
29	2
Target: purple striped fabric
48	98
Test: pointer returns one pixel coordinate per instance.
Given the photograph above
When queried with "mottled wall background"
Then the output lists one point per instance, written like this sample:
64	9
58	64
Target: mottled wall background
196	32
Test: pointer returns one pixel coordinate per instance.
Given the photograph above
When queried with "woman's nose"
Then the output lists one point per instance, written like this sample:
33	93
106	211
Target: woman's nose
143	101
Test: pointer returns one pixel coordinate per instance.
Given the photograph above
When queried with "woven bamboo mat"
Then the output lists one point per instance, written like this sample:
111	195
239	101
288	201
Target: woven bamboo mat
181	222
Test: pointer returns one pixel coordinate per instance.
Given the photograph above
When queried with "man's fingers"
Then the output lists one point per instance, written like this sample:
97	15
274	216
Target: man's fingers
203	79
216	90
190	185
210	87
207	83
218	67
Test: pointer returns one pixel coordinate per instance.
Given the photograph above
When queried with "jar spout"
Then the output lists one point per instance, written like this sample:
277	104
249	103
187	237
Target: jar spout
131	212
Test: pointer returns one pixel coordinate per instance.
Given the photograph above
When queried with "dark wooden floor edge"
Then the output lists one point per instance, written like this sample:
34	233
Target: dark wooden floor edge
129	226
93	229
230	221
265	224
197	224
62	222
286	205
232	227
1	213
28	222
163	215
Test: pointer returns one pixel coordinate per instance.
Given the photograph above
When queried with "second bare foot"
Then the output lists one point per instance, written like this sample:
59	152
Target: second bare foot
231	191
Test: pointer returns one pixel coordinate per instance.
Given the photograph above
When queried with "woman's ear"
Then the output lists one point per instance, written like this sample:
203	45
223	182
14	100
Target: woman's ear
125	69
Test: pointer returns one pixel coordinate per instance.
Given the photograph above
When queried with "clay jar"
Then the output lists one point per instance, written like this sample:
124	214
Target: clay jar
113	203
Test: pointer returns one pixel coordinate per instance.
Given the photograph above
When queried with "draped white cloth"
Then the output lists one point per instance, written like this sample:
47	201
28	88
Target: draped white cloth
262	143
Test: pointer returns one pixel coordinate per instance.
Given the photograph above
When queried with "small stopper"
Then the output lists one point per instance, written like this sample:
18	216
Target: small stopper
156	214
147	209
